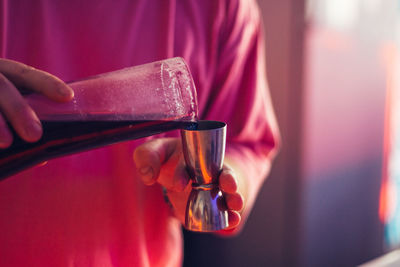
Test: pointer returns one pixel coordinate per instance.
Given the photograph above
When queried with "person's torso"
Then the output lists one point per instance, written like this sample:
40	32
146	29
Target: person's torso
89	209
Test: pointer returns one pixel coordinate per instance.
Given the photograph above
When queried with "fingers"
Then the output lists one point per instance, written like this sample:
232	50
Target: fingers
176	171
233	219
150	156
39	81
18	112
227	181
160	160
13	107
234	201
229	186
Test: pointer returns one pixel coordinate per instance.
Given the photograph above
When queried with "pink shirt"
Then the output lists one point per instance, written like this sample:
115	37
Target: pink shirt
89	209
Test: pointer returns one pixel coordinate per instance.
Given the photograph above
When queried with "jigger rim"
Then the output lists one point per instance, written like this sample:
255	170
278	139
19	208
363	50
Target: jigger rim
207	125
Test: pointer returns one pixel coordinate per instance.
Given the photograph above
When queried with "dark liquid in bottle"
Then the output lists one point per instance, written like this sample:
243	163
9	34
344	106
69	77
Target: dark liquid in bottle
67	137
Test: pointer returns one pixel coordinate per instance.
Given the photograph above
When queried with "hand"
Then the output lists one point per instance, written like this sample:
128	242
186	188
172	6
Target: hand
161	161
13	107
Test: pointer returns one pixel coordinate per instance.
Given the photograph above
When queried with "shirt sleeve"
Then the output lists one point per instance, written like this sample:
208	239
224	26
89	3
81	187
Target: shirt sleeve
241	98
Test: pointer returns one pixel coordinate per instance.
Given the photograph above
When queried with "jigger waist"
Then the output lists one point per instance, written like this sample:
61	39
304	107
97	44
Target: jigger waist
204	187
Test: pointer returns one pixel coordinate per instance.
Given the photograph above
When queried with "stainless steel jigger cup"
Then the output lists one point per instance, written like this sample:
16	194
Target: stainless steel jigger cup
204	151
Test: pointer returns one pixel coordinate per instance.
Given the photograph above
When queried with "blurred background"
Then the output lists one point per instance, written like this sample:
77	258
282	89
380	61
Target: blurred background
333	197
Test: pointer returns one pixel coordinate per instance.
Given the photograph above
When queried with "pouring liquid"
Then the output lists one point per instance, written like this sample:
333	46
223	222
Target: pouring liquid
67	137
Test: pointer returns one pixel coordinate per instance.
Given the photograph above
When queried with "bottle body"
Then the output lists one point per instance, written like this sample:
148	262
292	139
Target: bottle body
67	137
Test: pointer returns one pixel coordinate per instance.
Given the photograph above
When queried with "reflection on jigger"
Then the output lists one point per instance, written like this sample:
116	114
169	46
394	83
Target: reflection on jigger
204	151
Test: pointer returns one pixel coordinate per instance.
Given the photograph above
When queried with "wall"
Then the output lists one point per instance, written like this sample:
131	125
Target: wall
343	131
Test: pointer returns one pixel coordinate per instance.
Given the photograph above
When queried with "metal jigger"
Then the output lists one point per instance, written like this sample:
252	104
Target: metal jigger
204	151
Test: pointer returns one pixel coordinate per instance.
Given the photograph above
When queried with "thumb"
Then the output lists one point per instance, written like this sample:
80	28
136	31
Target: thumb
150	156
